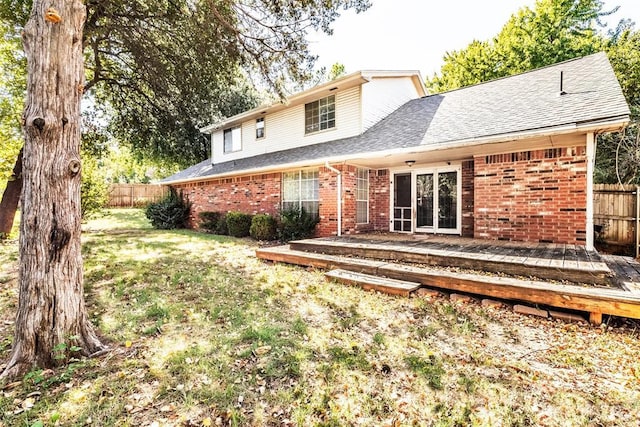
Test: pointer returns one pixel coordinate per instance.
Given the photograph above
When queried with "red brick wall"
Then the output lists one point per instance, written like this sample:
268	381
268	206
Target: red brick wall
537	196
379	201
467	198
262	194
328	185
252	194
328	202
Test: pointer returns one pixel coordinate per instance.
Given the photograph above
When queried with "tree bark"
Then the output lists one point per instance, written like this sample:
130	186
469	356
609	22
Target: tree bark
51	321
10	199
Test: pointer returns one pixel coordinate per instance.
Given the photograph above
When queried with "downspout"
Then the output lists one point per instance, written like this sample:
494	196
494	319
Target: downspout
339	195
591	154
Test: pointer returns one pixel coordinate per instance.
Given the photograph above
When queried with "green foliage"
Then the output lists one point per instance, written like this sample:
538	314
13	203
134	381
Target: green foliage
209	220
169	213
122	165
431	368
618	155
222	228
12	95
296	223
623	50
94	190
264	227
158	84
552	32
238	224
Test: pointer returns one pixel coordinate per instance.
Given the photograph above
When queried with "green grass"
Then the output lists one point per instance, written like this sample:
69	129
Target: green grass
201	330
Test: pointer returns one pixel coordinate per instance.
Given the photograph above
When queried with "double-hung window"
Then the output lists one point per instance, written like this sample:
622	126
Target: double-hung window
232	140
300	189
320	115
362	196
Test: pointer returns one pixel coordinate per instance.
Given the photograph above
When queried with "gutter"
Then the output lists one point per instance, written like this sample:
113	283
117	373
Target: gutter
339	194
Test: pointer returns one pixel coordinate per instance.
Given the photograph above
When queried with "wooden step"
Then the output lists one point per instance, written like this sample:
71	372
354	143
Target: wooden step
594	300
368	282
515	265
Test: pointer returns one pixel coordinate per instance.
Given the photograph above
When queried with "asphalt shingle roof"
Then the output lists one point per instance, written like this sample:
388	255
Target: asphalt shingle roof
518	103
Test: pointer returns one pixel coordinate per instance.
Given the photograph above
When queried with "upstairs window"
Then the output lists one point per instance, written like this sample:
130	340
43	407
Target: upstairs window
232	140
320	115
260	128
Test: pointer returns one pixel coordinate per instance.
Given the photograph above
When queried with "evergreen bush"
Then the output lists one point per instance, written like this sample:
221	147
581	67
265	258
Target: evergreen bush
221	228
264	227
296	223
209	220
170	212
238	224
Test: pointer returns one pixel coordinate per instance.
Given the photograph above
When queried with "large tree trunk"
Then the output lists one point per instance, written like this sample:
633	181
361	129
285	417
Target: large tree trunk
51	319
10	199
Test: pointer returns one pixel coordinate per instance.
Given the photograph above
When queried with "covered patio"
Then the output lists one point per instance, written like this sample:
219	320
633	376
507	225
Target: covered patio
555	275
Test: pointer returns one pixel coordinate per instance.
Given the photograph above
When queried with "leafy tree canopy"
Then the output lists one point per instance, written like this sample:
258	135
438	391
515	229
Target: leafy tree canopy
554	31
163	69
12	93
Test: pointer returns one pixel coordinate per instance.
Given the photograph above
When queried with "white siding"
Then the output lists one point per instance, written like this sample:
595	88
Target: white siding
285	129
382	96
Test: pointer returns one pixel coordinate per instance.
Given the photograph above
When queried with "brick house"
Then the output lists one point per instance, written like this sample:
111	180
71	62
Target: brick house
510	159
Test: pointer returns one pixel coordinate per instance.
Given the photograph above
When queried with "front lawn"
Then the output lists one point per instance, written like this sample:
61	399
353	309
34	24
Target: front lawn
203	333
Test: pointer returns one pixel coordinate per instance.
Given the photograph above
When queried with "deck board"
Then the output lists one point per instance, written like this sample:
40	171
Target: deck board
590	299
372	282
539	260
627	272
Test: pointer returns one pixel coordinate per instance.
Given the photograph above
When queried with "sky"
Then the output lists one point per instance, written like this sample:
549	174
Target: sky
415	34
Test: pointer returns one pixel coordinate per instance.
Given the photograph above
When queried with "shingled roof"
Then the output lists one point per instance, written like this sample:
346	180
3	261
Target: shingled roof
524	102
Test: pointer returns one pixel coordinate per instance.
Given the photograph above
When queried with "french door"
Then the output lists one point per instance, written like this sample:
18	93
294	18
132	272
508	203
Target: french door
427	200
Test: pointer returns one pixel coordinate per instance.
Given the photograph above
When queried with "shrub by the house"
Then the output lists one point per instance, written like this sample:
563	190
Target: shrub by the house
170	212
238	224
209	220
296	223
222	228
264	227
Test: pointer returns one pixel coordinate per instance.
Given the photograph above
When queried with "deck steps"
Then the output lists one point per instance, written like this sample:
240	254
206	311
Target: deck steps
594	300
514	261
370	282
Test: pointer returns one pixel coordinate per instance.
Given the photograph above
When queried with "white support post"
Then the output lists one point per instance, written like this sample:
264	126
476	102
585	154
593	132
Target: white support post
591	154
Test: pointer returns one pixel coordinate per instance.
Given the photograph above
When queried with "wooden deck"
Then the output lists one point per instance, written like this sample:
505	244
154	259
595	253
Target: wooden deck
545	261
626	272
422	261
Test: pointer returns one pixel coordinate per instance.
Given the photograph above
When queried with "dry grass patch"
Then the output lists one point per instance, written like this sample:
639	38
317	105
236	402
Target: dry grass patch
203	333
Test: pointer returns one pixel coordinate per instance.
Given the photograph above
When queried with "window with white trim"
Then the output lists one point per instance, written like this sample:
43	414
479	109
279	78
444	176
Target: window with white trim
300	189
232	139
260	127
320	115
362	196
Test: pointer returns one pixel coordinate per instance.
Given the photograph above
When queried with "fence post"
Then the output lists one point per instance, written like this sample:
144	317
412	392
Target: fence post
637	221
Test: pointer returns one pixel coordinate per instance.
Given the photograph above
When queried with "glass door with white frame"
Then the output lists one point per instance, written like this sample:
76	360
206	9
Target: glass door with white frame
437	201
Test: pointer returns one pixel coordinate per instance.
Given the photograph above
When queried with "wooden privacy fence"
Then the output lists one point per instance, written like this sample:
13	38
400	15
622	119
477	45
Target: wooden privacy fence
135	195
616	208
